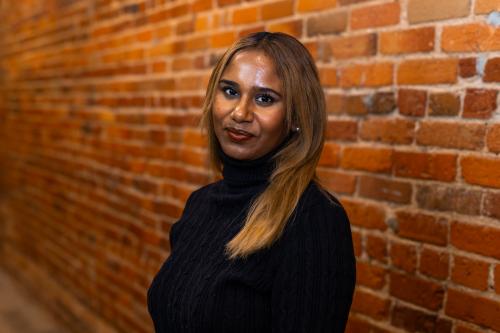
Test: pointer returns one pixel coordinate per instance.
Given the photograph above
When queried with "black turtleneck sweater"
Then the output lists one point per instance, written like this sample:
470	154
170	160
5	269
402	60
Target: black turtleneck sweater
303	283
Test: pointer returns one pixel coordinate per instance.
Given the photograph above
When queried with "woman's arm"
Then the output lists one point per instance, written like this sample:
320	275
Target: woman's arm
314	282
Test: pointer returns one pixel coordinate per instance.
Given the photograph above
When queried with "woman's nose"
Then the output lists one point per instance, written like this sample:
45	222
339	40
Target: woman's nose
242	111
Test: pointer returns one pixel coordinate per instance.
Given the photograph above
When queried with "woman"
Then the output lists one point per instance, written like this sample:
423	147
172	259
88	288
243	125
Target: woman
265	249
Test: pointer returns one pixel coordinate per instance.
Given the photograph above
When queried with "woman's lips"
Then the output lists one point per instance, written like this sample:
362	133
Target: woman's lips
238	135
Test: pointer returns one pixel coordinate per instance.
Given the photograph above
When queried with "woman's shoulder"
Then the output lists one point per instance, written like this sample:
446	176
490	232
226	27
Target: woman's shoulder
316	196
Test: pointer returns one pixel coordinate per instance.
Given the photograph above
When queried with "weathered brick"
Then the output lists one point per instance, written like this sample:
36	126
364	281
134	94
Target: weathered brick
330	155
434	264
440	167
407	41
365	215
403	256
313	5
477	309
451	135
481	171
475	238
429	10
331	23
486	6
460	200
493	138
353	46
412	102
292	27
413	320
480	103
358	246
342	130
472	37
463	329
470	272
491	205
328	76
427	71
370	275
373	75
375	16
421	292
338	182
376	247
276	10
492	70
444	104
381	103
366	158
370	304
355	324
397	131
497	279
422	227
467	67
385	189
245	15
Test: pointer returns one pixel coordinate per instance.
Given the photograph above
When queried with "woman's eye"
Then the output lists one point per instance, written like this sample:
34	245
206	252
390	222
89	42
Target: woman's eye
264	99
230	92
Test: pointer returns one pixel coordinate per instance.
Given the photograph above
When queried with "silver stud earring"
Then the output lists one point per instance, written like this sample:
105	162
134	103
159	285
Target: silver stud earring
296	129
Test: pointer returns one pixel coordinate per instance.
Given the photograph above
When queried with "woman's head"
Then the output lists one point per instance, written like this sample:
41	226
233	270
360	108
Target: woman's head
291	94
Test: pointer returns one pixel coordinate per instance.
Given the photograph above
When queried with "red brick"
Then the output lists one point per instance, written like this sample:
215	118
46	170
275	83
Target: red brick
493	138
342	130
434	264
429	10
467	67
356	241
451	135
497	279
492	70
421	292
397	131
427	71
481	171
351	2
404	256
479	239
381	103
227	2
385	189
370	304
331	23
369	275
372	75
413	320
463	329
407	41
330	155
480	103
375	16
469	272
365	158
314	5
472	37
328	76
412	102
245	15
365	215
476	309
444	104
355	105
459	200
292	27
422	227
335	104
491	206
336	181
356	324
442	167
486	6
276	10
376	248
353	46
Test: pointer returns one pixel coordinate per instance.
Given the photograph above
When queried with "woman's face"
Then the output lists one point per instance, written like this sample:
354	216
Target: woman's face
249	108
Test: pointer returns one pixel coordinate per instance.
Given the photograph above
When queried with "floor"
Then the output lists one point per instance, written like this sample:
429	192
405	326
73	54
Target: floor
20	314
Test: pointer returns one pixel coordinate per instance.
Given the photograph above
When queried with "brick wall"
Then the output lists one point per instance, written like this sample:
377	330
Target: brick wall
99	148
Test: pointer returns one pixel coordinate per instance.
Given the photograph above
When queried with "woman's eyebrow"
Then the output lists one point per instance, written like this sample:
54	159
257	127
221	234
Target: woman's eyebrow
257	88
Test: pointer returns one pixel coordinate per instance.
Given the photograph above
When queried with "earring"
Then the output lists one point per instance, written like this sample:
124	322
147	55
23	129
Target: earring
296	129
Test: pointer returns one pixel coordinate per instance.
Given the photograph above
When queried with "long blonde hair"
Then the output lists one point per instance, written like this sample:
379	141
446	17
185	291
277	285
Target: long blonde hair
296	162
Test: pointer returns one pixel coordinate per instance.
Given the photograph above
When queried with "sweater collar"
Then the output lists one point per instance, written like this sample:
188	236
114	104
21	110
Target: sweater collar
238	173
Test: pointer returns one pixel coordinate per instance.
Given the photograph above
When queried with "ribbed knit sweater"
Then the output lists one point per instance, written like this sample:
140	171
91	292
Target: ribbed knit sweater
304	282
